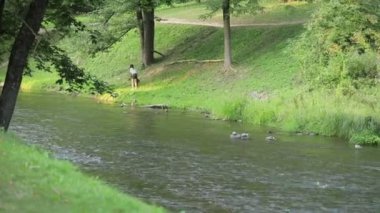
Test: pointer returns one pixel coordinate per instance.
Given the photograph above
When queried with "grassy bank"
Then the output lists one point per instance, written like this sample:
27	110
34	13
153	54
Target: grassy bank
31	181
263	89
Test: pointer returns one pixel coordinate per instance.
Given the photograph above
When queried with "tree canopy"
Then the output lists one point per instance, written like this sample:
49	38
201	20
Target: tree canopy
58	21
341	46
22	28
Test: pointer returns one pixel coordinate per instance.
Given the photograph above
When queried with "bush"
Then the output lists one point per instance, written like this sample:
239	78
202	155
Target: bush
341	43
365	138
362	66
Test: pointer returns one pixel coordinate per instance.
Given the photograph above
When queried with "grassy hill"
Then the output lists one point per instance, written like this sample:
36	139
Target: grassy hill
265	86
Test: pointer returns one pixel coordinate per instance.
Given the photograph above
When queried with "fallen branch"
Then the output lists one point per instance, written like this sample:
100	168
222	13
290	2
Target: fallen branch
195	61
161	54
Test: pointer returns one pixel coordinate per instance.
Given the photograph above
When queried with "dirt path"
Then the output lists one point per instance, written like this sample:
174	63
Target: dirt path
220	25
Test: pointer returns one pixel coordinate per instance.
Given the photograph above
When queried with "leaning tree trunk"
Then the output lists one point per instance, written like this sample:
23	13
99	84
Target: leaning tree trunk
18	59
148	17
140	26
227	35
2	3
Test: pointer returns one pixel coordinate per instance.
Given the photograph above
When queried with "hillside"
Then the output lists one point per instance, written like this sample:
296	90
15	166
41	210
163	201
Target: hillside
265	86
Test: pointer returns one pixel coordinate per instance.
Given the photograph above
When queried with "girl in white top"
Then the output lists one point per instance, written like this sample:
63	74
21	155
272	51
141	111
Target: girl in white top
134	78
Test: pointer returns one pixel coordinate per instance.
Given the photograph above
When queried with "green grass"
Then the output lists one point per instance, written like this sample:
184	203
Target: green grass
271	13
31	181
261	69
194	11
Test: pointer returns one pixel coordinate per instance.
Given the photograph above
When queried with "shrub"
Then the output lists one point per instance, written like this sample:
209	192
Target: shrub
362	66
365	138
341	43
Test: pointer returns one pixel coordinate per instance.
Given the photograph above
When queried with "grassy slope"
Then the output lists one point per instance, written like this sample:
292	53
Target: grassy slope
272	13
263	62
31	181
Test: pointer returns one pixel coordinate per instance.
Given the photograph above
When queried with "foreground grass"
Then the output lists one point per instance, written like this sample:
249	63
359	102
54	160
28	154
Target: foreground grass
31	181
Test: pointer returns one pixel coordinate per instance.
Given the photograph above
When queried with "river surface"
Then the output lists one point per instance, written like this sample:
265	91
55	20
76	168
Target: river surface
183	161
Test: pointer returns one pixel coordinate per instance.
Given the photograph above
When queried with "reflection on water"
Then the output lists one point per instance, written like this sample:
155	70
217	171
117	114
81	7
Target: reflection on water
185	162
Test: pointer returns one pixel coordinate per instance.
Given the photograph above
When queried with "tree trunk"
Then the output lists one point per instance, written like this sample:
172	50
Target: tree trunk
140	26
2	3
227	35
148	19
18	60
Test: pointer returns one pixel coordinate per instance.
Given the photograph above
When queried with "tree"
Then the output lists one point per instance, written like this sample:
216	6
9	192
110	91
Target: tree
228	8
140	27
2	3
46	54
148	20
227	34
143	13
18	59
341	45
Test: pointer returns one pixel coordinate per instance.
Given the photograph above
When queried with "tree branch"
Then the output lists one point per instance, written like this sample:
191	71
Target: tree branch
195	61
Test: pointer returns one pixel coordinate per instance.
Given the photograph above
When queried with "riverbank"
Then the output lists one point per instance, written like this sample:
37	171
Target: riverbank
31	181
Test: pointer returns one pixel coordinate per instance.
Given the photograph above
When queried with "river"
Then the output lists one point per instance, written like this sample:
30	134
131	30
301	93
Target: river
183	161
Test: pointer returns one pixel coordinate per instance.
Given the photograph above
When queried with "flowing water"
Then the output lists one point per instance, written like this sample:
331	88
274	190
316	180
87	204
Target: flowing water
183	161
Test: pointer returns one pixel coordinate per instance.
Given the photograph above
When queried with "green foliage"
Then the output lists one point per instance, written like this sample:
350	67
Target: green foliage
234	110
114	19
332	114
341	44
68	72
261	113
365	138
361	66
59	20
107	25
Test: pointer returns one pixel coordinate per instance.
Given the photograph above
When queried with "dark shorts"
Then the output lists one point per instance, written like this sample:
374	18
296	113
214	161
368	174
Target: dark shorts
134	76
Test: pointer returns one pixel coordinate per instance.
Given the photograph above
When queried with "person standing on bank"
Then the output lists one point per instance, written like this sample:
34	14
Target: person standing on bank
134	78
